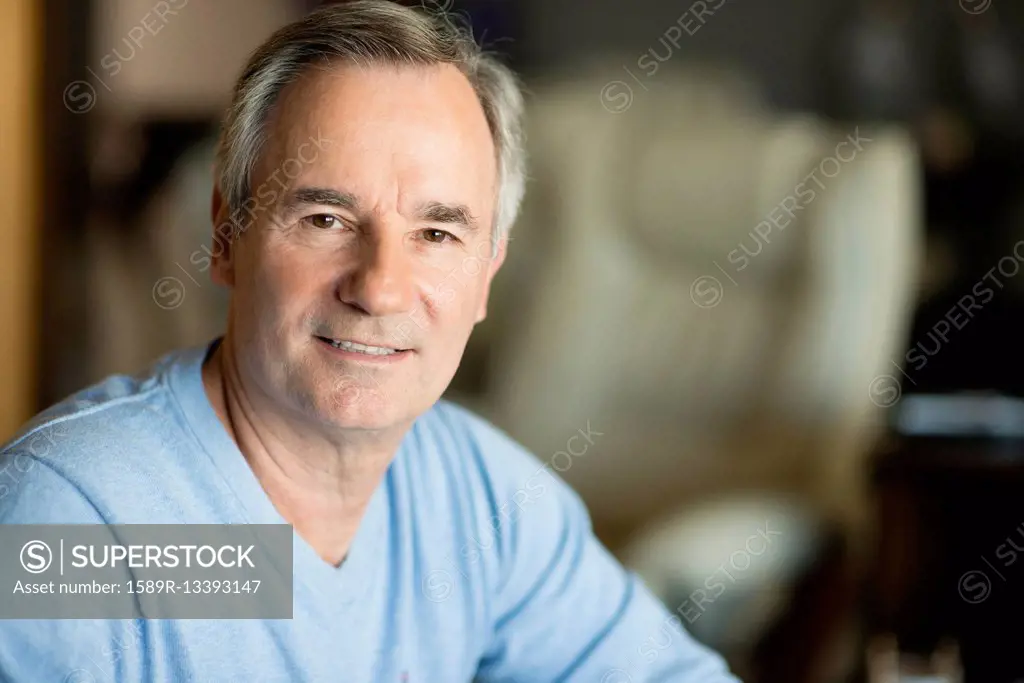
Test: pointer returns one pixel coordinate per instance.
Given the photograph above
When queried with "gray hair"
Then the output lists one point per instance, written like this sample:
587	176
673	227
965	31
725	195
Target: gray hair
372	32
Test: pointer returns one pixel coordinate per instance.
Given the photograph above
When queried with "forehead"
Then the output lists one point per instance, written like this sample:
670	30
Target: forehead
421	127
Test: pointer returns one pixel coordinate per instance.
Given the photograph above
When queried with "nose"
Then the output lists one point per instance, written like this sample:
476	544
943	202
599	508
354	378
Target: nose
381	284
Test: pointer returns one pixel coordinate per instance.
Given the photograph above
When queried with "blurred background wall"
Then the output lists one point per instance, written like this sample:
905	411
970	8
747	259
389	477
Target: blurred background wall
776	42
765	270
20	48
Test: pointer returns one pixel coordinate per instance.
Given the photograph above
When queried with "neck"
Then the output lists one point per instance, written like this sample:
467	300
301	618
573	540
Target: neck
321	482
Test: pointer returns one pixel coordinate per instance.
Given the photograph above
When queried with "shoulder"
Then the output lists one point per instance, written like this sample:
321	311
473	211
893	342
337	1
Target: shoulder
514	498
489	453
87	437
476	450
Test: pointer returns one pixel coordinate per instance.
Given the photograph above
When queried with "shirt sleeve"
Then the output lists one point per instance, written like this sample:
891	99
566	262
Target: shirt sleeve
59	650
565	609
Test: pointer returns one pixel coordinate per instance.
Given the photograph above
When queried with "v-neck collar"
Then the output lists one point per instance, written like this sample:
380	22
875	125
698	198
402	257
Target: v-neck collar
342	585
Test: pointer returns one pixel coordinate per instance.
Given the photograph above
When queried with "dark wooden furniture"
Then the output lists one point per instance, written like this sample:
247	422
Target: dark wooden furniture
950	550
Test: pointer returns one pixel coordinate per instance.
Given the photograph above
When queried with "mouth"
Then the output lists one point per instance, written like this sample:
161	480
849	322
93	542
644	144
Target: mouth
369	350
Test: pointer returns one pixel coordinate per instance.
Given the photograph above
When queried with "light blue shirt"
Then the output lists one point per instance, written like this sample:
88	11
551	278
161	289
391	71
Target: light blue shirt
473	562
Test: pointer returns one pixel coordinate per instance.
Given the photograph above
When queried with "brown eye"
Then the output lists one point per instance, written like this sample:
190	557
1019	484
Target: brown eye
323	221
436	236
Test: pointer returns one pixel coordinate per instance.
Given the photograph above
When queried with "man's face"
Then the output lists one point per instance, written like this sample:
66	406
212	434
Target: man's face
372	202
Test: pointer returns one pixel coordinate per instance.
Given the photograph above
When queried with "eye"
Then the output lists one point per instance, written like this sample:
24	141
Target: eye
323	221
438	236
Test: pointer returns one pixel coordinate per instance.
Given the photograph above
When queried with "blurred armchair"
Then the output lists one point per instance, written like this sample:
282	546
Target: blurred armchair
680	284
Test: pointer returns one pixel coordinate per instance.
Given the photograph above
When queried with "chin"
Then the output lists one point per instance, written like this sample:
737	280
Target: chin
350	410
356	406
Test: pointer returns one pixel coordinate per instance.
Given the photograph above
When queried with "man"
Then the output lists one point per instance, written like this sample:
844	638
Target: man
369	171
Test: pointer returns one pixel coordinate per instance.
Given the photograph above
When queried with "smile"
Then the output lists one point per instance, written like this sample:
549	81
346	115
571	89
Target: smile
356	347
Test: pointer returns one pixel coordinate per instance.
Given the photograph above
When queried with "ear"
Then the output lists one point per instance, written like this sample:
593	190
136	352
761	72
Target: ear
222	265
492	268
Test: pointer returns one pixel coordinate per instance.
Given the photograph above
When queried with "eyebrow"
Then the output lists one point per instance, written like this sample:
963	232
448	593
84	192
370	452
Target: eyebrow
457	214
433	211
322	196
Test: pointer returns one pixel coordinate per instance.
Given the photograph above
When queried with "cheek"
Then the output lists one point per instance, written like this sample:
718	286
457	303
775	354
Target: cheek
282	279
458	313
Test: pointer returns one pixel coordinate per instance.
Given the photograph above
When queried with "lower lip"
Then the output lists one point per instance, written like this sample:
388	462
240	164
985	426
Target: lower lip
342	354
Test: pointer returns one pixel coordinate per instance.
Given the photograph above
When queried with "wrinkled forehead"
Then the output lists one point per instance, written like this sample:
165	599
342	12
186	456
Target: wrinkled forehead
363	127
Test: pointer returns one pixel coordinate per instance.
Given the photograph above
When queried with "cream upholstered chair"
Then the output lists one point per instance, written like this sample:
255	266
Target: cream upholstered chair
606	313
720	398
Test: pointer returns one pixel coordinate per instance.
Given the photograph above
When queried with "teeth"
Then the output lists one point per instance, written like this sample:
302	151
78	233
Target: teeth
362	348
